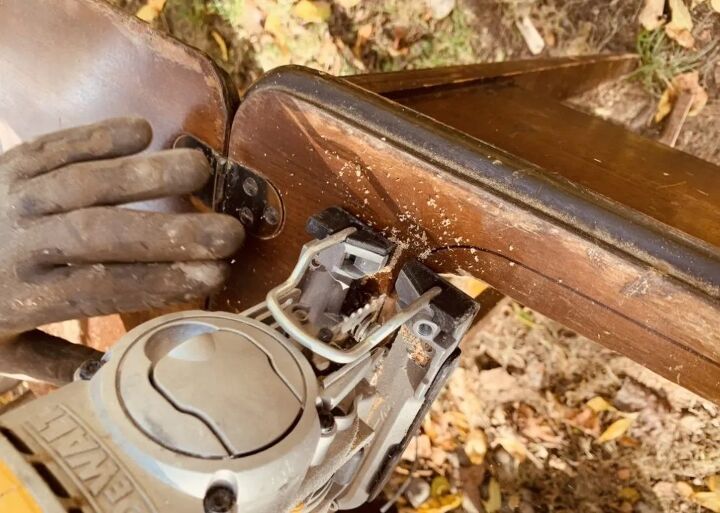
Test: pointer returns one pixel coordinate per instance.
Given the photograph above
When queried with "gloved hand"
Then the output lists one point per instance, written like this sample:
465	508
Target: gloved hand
67	253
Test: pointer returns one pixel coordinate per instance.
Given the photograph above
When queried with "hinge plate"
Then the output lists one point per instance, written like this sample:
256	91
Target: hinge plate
239	191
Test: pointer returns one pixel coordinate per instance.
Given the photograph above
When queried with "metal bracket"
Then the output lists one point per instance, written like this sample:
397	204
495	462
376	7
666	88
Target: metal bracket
239	191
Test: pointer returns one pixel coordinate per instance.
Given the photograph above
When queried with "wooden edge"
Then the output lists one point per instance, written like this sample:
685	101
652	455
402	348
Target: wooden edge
559	77
626	230
310	133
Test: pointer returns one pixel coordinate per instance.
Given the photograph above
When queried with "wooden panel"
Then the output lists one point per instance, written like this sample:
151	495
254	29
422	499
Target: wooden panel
323	143
69	62
668	185
560	77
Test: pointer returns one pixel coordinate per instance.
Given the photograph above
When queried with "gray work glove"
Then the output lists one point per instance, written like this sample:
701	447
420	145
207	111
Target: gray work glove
66	252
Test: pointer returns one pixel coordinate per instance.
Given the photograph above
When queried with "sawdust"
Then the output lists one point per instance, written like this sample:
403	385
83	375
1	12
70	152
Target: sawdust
417	349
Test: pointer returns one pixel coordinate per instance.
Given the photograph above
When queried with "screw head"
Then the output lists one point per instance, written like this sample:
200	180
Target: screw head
246	216
250	186
424	329
271	215
325	334
88	369
327	421
219	499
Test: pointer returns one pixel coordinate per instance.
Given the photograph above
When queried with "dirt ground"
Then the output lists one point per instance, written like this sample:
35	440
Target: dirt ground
537	419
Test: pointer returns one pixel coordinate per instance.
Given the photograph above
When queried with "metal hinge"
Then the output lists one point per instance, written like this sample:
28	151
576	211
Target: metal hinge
239	191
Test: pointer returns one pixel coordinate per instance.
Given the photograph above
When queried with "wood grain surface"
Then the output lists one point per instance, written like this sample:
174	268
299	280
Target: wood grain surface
322	142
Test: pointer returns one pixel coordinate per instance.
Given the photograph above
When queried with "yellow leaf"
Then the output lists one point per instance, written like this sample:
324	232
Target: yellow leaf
683	83
680	15
312	12
439	486
441	505
221	44
494	502
715	4
665	105
274	25
651	16
515	447
598	404
680	26
684	489
476	447
629	494
150	10
709	500
713	483
146	13
616	429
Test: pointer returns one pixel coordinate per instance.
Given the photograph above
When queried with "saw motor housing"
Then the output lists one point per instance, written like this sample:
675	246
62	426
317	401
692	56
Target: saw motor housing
302	403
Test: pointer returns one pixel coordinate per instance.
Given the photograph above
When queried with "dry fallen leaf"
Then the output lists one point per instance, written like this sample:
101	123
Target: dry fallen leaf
312	12
684	489
440	9
441	505
713	483
274	25
476	447
651	16
150	10
439	486
680	25
616	429
684	83
709	500
629	494
585	420
514	447
598	404
494	501
665	104
221	45
364	34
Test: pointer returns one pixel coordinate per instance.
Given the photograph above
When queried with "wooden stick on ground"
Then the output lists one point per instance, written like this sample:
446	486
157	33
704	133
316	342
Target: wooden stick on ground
677	118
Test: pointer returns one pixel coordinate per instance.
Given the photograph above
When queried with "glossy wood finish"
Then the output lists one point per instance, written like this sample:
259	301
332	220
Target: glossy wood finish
458	202
680	191
572	216
559	78
65	63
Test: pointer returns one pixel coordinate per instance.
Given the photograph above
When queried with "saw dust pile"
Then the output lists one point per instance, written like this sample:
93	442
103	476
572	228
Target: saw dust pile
537	419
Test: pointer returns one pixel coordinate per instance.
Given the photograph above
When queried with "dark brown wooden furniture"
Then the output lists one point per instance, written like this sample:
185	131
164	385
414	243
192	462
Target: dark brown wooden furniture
479	168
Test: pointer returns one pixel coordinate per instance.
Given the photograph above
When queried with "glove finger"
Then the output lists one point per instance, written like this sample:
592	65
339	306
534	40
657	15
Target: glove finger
88	291
106	235
111	182
111	138
37	356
